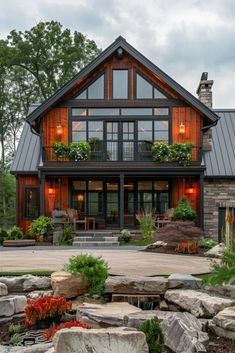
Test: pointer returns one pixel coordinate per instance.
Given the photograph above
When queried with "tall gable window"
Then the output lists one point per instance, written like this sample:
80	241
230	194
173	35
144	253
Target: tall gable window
145	90
120	84
94	91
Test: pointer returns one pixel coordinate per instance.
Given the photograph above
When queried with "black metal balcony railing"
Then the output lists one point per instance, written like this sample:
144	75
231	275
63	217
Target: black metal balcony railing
116	151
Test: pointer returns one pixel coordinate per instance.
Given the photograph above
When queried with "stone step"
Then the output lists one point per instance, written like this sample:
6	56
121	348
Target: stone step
93	234
95	244
88	239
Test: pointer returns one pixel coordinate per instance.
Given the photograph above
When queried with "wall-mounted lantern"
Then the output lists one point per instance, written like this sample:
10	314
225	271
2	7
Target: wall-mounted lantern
51	190
80	198
190	189
59	130
182	128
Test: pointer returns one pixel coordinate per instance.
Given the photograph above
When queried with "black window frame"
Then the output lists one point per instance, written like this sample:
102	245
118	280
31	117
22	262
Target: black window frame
26	189
85	88
128	83
153	86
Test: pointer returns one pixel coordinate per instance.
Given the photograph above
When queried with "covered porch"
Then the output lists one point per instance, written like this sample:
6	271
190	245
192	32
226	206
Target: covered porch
114	200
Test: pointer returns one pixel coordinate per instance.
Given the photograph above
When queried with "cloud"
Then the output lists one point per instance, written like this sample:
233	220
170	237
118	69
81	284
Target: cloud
183	37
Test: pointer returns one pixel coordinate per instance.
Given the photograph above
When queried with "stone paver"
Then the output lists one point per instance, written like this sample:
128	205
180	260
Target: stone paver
121	262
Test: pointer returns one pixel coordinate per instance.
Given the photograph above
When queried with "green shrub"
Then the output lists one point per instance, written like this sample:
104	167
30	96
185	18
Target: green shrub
94	271
3	235
41	227
181	153
66	237
60	150
15	233
161	152
223	272
125	235
147	221
79	151
154	335
207	243
15	339
184	211
14	328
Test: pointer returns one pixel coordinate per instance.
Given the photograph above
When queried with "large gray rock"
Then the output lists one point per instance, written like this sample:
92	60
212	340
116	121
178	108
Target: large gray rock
37	294
225	290
3	289
136	319
179	280
216	251
36	348
104	315
10	305
183	333
136	285
226	319
198	303
26	283
67	285
111	340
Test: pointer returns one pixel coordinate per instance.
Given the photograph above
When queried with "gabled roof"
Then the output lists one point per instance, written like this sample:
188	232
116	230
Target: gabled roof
27	154
220	161
121	42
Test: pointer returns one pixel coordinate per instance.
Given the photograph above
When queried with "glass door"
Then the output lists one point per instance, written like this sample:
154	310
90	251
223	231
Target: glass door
128	133
112	140
129	204
112	204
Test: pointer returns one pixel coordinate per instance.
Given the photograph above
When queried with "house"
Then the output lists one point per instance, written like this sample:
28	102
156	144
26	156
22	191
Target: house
121	103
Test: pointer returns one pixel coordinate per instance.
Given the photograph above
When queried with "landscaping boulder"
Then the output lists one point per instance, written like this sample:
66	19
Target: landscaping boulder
178	232
225	290
226	319
198	303
111	340
10	305
216	251
3	289
136	319
178	280
157	244
67	285
26	283
37	294
105	315
183	333
136	285
36	348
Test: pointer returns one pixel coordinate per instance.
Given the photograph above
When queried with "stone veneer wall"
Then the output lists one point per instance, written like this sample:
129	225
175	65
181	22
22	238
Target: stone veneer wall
217	193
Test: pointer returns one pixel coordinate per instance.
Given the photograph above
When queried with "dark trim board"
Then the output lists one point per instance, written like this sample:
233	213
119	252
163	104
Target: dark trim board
121	42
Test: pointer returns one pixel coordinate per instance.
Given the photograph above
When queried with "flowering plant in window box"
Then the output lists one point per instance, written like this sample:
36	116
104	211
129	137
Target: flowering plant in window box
44	311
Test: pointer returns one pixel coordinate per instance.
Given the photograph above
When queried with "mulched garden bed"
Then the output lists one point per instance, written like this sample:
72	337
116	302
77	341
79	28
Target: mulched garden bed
171	250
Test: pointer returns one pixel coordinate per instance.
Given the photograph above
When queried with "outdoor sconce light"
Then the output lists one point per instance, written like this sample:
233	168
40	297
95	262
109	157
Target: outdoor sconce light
50	190
182	128
80	198
190	189
59	130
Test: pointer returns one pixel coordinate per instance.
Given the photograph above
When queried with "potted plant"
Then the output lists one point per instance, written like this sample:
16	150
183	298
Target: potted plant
181	153
41	228
184	212
160	152
60	150
125	235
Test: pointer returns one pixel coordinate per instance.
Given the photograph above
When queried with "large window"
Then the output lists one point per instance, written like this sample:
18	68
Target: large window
87	197
94	91
120	84
145	90
31	202
153	195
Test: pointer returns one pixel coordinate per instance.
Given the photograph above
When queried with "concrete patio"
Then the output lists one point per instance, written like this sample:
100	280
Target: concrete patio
121	262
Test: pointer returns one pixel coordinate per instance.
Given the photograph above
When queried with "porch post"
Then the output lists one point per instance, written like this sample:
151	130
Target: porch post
42	194
121	201
201	208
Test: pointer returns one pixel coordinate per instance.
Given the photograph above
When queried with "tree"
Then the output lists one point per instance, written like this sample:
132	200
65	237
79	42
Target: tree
49	54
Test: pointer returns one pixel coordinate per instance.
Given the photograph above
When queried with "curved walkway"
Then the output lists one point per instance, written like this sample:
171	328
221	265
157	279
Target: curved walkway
120	261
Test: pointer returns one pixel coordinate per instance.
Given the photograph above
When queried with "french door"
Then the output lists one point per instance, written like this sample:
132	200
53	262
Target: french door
120	140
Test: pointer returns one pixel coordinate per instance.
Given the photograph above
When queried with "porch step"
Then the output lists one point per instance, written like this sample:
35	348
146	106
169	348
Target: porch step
95	239
95	234
95	244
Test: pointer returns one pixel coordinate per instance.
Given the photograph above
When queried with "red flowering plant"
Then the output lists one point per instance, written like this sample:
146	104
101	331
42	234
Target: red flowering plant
50	332
187	248
44	308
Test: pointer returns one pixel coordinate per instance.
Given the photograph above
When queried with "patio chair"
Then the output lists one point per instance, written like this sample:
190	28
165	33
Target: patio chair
166	218
74	218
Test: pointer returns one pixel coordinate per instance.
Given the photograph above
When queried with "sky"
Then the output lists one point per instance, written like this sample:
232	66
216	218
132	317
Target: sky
182	37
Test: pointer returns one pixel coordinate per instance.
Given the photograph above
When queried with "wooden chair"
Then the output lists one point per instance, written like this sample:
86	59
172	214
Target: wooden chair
74	218
166	218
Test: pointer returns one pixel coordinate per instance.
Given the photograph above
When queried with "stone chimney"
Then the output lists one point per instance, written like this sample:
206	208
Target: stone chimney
204	93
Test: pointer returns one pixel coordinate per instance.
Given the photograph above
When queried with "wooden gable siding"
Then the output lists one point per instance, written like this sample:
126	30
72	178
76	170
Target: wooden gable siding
53	118
60	197
192	122
22	182
179	190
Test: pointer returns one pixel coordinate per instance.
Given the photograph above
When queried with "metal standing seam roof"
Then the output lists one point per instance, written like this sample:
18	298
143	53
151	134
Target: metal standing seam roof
220	161
28	150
